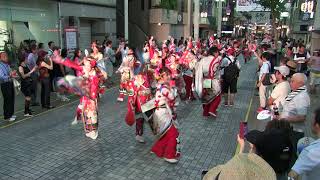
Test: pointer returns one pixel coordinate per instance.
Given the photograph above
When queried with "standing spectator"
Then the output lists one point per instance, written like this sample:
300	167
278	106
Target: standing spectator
26	84
230	73
50	52
109	54
308	164
123	50
41	49
282	89
44	68
314	71
7	87
264	70
31	63
296	105
302	58
77	59
59	71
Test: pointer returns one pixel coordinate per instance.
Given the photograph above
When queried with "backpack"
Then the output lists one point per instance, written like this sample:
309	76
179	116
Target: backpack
231	72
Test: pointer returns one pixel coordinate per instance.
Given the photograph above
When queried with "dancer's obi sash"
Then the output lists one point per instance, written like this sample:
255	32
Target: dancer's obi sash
159	119
211	86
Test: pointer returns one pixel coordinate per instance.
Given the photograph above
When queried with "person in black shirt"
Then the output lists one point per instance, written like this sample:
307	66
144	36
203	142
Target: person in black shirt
26	84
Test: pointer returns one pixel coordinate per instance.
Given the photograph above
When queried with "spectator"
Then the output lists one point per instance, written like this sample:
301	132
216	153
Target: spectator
264	70
314	71
31	63
230	73
26	84
242	167
77	59
302	58
308	164
7	87
50	45
282	89
59	71
51	74
41	49
274	146
109	54
123	50
296	105
289	53
45	64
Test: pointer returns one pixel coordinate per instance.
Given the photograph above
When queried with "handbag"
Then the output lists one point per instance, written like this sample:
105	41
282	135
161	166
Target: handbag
16	85
267	78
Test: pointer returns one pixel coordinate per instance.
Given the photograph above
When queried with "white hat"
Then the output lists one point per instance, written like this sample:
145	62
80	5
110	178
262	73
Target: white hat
284	70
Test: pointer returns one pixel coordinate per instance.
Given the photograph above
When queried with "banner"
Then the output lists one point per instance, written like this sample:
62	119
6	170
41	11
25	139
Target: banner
260	17
249	5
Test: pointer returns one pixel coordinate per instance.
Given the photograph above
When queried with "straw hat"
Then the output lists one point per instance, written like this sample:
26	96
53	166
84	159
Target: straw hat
244	166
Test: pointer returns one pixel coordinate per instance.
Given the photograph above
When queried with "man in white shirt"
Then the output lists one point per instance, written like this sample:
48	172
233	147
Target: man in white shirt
297	103
264	70
307	165
282	89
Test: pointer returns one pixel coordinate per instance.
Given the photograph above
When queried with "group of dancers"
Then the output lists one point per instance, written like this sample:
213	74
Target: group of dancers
166	76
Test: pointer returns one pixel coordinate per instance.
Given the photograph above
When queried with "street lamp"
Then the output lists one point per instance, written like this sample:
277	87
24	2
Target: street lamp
203	14
225	19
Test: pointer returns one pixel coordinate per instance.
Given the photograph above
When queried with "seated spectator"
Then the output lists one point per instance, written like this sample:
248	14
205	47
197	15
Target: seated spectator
308	164
296	104
242	167
274	146
282	89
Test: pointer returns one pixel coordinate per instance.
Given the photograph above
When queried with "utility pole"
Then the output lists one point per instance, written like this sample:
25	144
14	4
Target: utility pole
126	20
219	19
189	21
196	18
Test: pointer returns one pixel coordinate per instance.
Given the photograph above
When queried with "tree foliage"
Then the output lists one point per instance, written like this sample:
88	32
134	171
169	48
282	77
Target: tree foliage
169	4
274	6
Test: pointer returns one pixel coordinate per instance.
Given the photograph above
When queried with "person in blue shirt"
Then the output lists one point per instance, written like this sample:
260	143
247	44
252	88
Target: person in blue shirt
7	87
307	165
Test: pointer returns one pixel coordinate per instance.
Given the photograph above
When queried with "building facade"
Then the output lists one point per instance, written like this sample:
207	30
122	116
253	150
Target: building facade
69	23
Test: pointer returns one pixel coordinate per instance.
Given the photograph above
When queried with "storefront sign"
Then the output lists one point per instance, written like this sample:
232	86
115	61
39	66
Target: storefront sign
71	38
249	5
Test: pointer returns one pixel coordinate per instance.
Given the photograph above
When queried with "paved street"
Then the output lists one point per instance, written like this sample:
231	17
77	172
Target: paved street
48	147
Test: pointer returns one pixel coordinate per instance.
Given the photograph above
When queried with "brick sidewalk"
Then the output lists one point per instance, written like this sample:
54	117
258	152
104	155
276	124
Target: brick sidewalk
48	147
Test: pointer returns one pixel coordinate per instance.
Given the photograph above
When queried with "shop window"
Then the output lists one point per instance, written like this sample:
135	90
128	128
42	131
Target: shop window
303	27
27	24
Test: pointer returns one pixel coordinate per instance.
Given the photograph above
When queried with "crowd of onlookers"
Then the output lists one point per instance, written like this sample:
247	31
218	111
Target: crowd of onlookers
283	92
37	72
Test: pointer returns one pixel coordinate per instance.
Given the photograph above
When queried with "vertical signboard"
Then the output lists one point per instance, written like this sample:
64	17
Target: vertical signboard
71	38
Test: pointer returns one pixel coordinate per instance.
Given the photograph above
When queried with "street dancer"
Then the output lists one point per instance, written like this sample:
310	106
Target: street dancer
207	82
167	146
127	72
138	94
89	87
